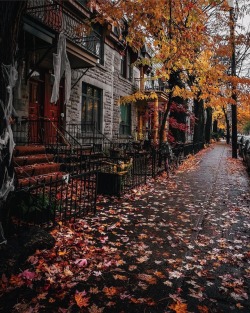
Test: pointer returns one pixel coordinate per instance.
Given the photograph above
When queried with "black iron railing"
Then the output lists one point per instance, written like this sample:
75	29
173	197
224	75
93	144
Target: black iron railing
37	131
45	202
83	2
74	157
88	134
55	15
119	175
149	84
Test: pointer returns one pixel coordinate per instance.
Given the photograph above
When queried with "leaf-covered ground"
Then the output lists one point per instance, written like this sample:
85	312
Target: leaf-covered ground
179	244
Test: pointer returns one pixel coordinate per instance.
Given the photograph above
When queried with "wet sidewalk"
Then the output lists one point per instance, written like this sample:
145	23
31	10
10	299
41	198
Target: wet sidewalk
180	244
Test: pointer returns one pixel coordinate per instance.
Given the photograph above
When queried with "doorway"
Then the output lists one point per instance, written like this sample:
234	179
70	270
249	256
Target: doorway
44	116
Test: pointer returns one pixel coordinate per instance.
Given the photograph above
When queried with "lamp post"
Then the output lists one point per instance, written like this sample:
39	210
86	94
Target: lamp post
233	74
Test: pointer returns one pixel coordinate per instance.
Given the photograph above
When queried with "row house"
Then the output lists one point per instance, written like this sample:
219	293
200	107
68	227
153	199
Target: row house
101	73
71	77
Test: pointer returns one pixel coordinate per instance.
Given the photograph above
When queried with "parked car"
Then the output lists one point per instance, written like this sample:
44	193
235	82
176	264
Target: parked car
239	137
245	149
246	154
242	143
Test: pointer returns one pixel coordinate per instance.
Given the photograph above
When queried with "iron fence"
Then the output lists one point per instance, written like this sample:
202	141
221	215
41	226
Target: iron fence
192	148
75	156
118	175
87	133
57	199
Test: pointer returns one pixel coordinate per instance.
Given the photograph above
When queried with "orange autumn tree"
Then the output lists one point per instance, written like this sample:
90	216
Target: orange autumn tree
184	45
223	50
243	106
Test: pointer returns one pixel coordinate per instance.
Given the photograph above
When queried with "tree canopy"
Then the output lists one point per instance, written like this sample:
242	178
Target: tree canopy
191	38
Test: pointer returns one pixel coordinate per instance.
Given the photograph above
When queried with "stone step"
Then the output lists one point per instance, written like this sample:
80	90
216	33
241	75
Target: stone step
41	179
32	159
37	169
28	150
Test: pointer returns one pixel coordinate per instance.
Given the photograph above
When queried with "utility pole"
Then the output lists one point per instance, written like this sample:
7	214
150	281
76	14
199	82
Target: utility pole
233	74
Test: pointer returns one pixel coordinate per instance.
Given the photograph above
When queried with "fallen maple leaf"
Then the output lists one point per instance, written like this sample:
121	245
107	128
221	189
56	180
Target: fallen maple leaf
148	278
203	309
109	292
27	275
94	290
95	309
61	253
81	300
81	262
159	274
4	278
67	272
179	307
42	296
142	259
120	277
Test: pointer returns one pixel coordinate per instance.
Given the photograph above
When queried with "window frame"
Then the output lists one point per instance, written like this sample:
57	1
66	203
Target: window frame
89	100
125	125
126	70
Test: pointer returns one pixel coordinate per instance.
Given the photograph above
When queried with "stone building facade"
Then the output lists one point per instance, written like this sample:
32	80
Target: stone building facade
107	78
96	61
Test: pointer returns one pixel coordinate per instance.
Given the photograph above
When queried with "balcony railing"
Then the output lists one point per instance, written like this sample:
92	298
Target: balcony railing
56	16
150	84
83	2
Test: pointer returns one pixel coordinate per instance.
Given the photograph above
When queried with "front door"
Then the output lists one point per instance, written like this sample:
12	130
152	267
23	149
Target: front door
35	101
52	111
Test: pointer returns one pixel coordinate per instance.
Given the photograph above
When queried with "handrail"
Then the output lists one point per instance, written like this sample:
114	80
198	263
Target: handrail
94	130
59	132
71	137
103	135
148	83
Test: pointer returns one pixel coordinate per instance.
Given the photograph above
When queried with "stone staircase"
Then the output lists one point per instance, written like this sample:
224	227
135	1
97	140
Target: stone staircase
33	166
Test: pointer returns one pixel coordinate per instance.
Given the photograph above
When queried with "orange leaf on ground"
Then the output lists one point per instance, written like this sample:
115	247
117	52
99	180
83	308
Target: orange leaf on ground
110	291
81	300
203	309
179	307
120	277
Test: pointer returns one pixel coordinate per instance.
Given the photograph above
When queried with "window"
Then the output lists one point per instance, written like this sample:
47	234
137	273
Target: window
99	45
94	42
126	69
125	124
123	69
91	106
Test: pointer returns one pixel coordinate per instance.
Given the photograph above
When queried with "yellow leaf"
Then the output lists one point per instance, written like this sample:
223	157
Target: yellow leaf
62	252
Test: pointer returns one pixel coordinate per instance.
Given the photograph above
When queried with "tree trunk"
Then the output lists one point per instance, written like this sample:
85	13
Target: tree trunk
208	125
199	121
215	126
227	125
10	20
